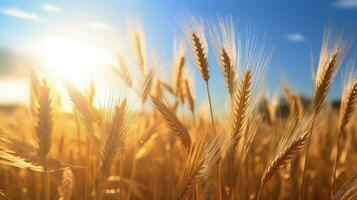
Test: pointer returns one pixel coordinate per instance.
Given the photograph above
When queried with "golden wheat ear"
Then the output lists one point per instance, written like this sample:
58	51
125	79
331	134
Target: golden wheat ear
168	88
147	85
240	106
348	105
111	146
200	56
228	70
122	72
19	153
66	186
190	97
291	143
288	95
179	73
203	154
224	42
267	111
88	113
137	39
44	120
348	190
172	120
195	35
91	92
331	57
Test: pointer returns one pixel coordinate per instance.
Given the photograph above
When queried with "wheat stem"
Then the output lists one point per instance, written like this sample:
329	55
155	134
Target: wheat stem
210	105
260	190
307	152
46	181
121	174
219	181
335	165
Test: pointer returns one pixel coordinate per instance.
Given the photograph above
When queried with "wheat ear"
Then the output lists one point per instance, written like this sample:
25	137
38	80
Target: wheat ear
139	50
22	154
240	107
174	123
147	85
203	153
291	143
224	41
200	54
111	146
190	97
348	104
348	191
66	187
122	72
228	71
178	75
240	104
88	113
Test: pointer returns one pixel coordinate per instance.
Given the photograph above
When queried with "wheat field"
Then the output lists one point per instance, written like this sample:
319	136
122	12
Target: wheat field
153	140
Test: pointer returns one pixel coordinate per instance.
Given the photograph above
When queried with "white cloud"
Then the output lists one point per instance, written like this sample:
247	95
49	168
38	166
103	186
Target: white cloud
345	4
101	25
295	37
50	7
18	13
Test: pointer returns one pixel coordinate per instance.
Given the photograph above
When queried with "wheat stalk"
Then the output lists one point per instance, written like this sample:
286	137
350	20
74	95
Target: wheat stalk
195	33
331	58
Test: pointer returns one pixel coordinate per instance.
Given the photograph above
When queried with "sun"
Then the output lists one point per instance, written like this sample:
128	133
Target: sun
73	59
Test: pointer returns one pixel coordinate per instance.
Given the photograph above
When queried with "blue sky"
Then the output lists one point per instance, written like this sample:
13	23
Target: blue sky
294	28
